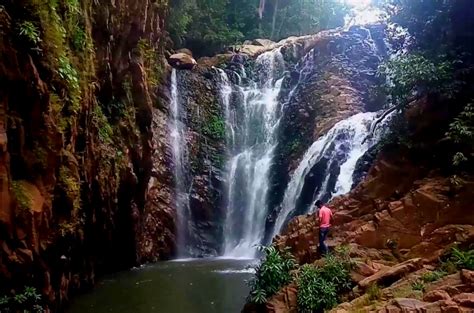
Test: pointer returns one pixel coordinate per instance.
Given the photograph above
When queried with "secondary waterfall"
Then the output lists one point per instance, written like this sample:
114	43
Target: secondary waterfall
340	148
179	151
251	126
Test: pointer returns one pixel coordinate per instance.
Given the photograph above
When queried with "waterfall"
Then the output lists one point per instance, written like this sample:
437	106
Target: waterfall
179	152
340	148
251	126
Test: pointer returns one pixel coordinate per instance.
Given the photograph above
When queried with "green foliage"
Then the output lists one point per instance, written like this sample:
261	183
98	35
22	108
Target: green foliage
28	301
150	57
461	133
374	292
273	273
215	127
69	74
319	287
101	122
71	187
206	26
415	74
463	259
24	201
433	276
418	285
29	30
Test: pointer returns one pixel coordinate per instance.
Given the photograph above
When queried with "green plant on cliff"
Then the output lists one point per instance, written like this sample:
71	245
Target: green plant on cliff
71	187
28	301
30	31
69	74
215	127
461	133
24	201
320	286
101	122
273	273
153	68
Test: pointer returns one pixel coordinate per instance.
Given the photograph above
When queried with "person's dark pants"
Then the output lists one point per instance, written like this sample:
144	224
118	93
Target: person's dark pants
323	233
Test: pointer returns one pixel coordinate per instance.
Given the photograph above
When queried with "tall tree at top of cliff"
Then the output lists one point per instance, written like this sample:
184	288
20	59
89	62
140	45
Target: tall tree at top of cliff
206	27
442	47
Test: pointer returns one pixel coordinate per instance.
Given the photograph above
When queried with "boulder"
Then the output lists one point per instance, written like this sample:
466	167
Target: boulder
285	301
263	42
182	61
465	299
467	277
185	51
388	276
436	295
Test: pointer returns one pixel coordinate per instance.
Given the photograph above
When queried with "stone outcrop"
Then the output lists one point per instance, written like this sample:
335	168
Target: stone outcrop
182	61
399	221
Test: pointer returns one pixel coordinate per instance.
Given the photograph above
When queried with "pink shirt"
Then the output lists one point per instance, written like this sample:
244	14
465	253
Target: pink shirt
325	215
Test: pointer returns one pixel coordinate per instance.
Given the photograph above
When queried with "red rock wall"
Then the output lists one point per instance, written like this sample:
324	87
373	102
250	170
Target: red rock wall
84	187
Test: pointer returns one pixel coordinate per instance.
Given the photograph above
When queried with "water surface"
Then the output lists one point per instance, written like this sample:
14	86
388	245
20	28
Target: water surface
193	286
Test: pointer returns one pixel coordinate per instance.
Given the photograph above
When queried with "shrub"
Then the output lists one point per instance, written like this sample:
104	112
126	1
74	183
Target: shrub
462	259
418	285
29	31
272	274
319	287
430	277
314	292
27	301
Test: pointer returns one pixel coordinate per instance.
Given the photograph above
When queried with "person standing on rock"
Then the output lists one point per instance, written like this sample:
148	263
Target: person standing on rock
325	216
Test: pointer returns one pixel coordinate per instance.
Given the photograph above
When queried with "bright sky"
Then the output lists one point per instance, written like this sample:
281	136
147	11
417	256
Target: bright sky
358	3
362	12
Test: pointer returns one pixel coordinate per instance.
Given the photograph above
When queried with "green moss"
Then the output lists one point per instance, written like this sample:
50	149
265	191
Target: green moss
153	68
215	127
41	156
100	121
71	186
24	201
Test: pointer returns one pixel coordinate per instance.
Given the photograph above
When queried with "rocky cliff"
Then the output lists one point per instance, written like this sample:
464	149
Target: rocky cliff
84	189
398	223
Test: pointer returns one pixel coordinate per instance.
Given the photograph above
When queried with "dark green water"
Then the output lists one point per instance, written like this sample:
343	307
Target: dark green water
196	286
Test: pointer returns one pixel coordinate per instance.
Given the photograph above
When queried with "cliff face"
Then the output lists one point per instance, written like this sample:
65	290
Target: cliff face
79	100
336	79
398	222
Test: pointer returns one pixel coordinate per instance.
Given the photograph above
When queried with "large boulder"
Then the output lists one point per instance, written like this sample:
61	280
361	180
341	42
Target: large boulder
389	275
182	61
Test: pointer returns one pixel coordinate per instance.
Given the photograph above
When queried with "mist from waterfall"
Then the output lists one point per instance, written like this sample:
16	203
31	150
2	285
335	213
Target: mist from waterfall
251	129
179	153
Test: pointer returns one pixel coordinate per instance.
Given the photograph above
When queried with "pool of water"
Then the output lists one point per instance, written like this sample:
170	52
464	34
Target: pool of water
187	286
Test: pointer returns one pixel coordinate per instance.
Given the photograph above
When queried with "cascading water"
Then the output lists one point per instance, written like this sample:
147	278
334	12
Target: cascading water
251	127
340	148
179	151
